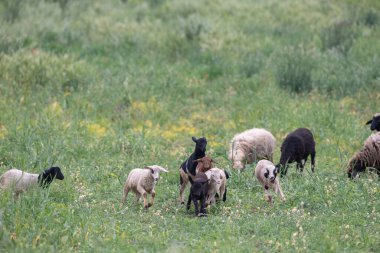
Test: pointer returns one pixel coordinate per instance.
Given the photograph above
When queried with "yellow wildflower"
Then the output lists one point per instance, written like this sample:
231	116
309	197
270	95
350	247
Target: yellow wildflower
3	131
96	129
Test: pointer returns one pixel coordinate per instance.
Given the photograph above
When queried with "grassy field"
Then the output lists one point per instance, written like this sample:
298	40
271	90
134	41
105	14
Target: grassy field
102	87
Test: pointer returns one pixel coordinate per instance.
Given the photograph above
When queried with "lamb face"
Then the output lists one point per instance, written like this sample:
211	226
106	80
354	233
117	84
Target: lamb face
216	178
270	173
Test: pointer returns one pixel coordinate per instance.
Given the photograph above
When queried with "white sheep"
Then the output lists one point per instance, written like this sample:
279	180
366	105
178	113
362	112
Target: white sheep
21	181
250	146
217	185
142	183
266	173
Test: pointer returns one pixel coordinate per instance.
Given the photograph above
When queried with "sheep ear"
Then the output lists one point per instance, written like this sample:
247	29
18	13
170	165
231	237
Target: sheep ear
160	169
149	168
194	139
369	122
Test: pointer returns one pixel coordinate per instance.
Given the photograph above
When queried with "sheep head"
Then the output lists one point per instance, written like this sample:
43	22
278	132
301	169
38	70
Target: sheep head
375	122
270	173
48	175
156	170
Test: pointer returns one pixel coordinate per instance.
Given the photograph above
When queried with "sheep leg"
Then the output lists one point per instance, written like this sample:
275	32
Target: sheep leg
222	192
126	191
267	194
183	183
225	195
312	160
188	202
203	206
302	164
153	194
141	191
145	196
196	206
278	190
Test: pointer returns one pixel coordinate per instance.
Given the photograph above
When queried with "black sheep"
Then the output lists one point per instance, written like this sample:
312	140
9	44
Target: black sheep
297	146
188	167
198	192
375	122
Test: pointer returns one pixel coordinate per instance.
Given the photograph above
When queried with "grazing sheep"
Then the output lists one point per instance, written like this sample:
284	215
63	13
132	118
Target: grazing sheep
266	173
297	146
250	146
375	122
198	192
22	181
217	185
368	156
204	164
142	182
188	167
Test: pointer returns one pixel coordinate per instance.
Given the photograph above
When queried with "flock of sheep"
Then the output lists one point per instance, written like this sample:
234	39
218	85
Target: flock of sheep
209	183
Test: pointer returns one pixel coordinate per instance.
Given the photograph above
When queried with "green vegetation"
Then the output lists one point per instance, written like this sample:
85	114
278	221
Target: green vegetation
102	87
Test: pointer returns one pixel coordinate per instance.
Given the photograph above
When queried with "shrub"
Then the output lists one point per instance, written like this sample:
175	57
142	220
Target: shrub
252	64
33	70
293	69
370	17
12	9
339	36
338	75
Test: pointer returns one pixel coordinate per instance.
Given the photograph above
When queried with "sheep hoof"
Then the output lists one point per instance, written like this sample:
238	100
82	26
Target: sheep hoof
146	207
149	205
202	215
182	202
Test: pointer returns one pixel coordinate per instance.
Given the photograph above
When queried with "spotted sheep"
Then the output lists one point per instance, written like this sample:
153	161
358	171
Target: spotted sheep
266	173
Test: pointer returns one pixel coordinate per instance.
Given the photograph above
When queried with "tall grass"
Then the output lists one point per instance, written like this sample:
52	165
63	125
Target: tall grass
103	87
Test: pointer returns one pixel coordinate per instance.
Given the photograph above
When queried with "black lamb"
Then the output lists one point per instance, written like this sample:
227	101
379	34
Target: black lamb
198	192
375	122
188	167
297	146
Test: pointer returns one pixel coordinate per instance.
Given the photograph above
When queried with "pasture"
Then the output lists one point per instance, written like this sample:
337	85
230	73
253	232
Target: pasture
102	87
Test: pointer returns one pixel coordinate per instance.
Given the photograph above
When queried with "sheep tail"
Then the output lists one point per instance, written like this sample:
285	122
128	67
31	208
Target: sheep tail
227	174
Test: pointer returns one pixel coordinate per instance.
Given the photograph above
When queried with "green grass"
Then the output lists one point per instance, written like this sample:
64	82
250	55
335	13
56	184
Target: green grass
102	87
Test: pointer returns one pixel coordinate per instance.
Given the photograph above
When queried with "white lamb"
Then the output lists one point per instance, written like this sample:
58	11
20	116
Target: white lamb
21	181
250	146
142	183
266	173
217	185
